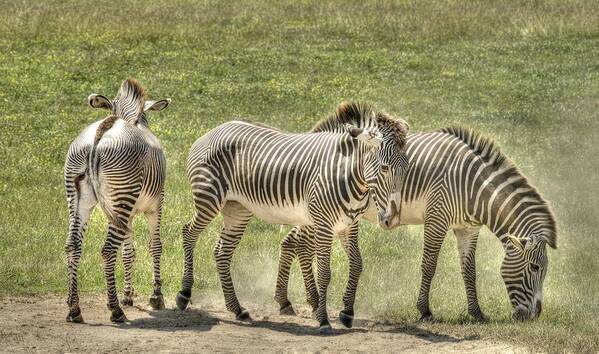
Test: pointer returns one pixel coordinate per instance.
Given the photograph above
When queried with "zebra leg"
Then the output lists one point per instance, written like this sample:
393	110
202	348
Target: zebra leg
467	239
306	254
324	240
208	204
128	260
434	234
235	220
155	246
81	202
286	257
350	244
117	233
298	243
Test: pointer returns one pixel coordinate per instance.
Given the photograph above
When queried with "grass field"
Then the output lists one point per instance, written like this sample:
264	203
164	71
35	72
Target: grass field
523	72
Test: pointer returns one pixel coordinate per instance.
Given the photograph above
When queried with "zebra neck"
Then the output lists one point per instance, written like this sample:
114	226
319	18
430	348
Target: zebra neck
508	205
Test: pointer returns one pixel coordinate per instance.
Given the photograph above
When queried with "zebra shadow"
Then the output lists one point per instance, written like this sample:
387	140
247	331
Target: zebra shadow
170	320
411	329
197	320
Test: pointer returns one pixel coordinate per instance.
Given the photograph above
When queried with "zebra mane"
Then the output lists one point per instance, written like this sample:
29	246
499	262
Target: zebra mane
490	153
129	100
360	114
363	115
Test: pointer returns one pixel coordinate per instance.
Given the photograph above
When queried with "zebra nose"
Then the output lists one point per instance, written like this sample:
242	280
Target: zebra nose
539	307
384	219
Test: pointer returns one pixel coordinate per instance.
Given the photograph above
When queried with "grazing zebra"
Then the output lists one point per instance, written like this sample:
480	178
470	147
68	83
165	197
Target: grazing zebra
241	169
117	163
460	180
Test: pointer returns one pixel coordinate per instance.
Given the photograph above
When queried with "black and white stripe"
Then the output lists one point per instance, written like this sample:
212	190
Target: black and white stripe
322	180
119	164
460	180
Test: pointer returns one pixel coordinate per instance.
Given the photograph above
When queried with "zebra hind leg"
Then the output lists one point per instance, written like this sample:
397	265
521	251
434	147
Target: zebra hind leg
350	244
208	203
128	260
235	220
191	231
81	203
467	239
116	235
155	246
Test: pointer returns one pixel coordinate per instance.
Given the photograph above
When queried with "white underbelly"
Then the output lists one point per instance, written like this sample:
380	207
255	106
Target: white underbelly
297	214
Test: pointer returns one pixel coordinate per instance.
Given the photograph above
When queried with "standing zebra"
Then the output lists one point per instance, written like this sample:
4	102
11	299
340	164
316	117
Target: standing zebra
460	180
322	180
118	163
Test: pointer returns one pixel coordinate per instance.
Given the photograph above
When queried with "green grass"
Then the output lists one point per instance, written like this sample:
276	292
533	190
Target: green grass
524	72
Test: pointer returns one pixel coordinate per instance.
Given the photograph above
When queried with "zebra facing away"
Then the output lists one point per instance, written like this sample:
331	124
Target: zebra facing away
323	180
460	180
119	164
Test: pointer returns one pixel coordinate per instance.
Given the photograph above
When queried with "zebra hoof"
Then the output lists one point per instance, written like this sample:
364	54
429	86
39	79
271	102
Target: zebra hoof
244	315
182	301
287	310
325	330
426	318
157	302
74	316
118	316
127	301
346	319
481	317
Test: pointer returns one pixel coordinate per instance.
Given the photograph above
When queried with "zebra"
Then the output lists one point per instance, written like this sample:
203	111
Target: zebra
119	164
461	180
241	169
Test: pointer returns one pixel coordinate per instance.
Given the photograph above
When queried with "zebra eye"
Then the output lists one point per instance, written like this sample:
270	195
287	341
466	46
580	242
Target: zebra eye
534	267
384	168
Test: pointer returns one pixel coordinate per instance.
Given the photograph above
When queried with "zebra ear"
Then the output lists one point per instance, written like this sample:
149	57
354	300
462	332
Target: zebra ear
156	105
99	101
365	135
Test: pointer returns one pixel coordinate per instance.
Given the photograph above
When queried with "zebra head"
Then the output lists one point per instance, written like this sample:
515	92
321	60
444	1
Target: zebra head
523	270
387	164
130	103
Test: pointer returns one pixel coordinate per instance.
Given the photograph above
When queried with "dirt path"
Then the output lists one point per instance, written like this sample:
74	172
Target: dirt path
38	325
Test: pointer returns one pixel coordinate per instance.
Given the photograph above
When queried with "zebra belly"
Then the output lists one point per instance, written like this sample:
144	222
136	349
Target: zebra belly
297	214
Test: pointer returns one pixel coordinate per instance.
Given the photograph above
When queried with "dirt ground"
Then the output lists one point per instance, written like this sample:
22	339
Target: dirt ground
29	324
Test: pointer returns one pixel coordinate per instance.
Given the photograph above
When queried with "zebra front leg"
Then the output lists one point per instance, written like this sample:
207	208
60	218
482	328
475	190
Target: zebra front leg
350	244
81	202
434	234
116	236
306	254
128	260
155	246
286	257
298	243
467	239
324	239
235	220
